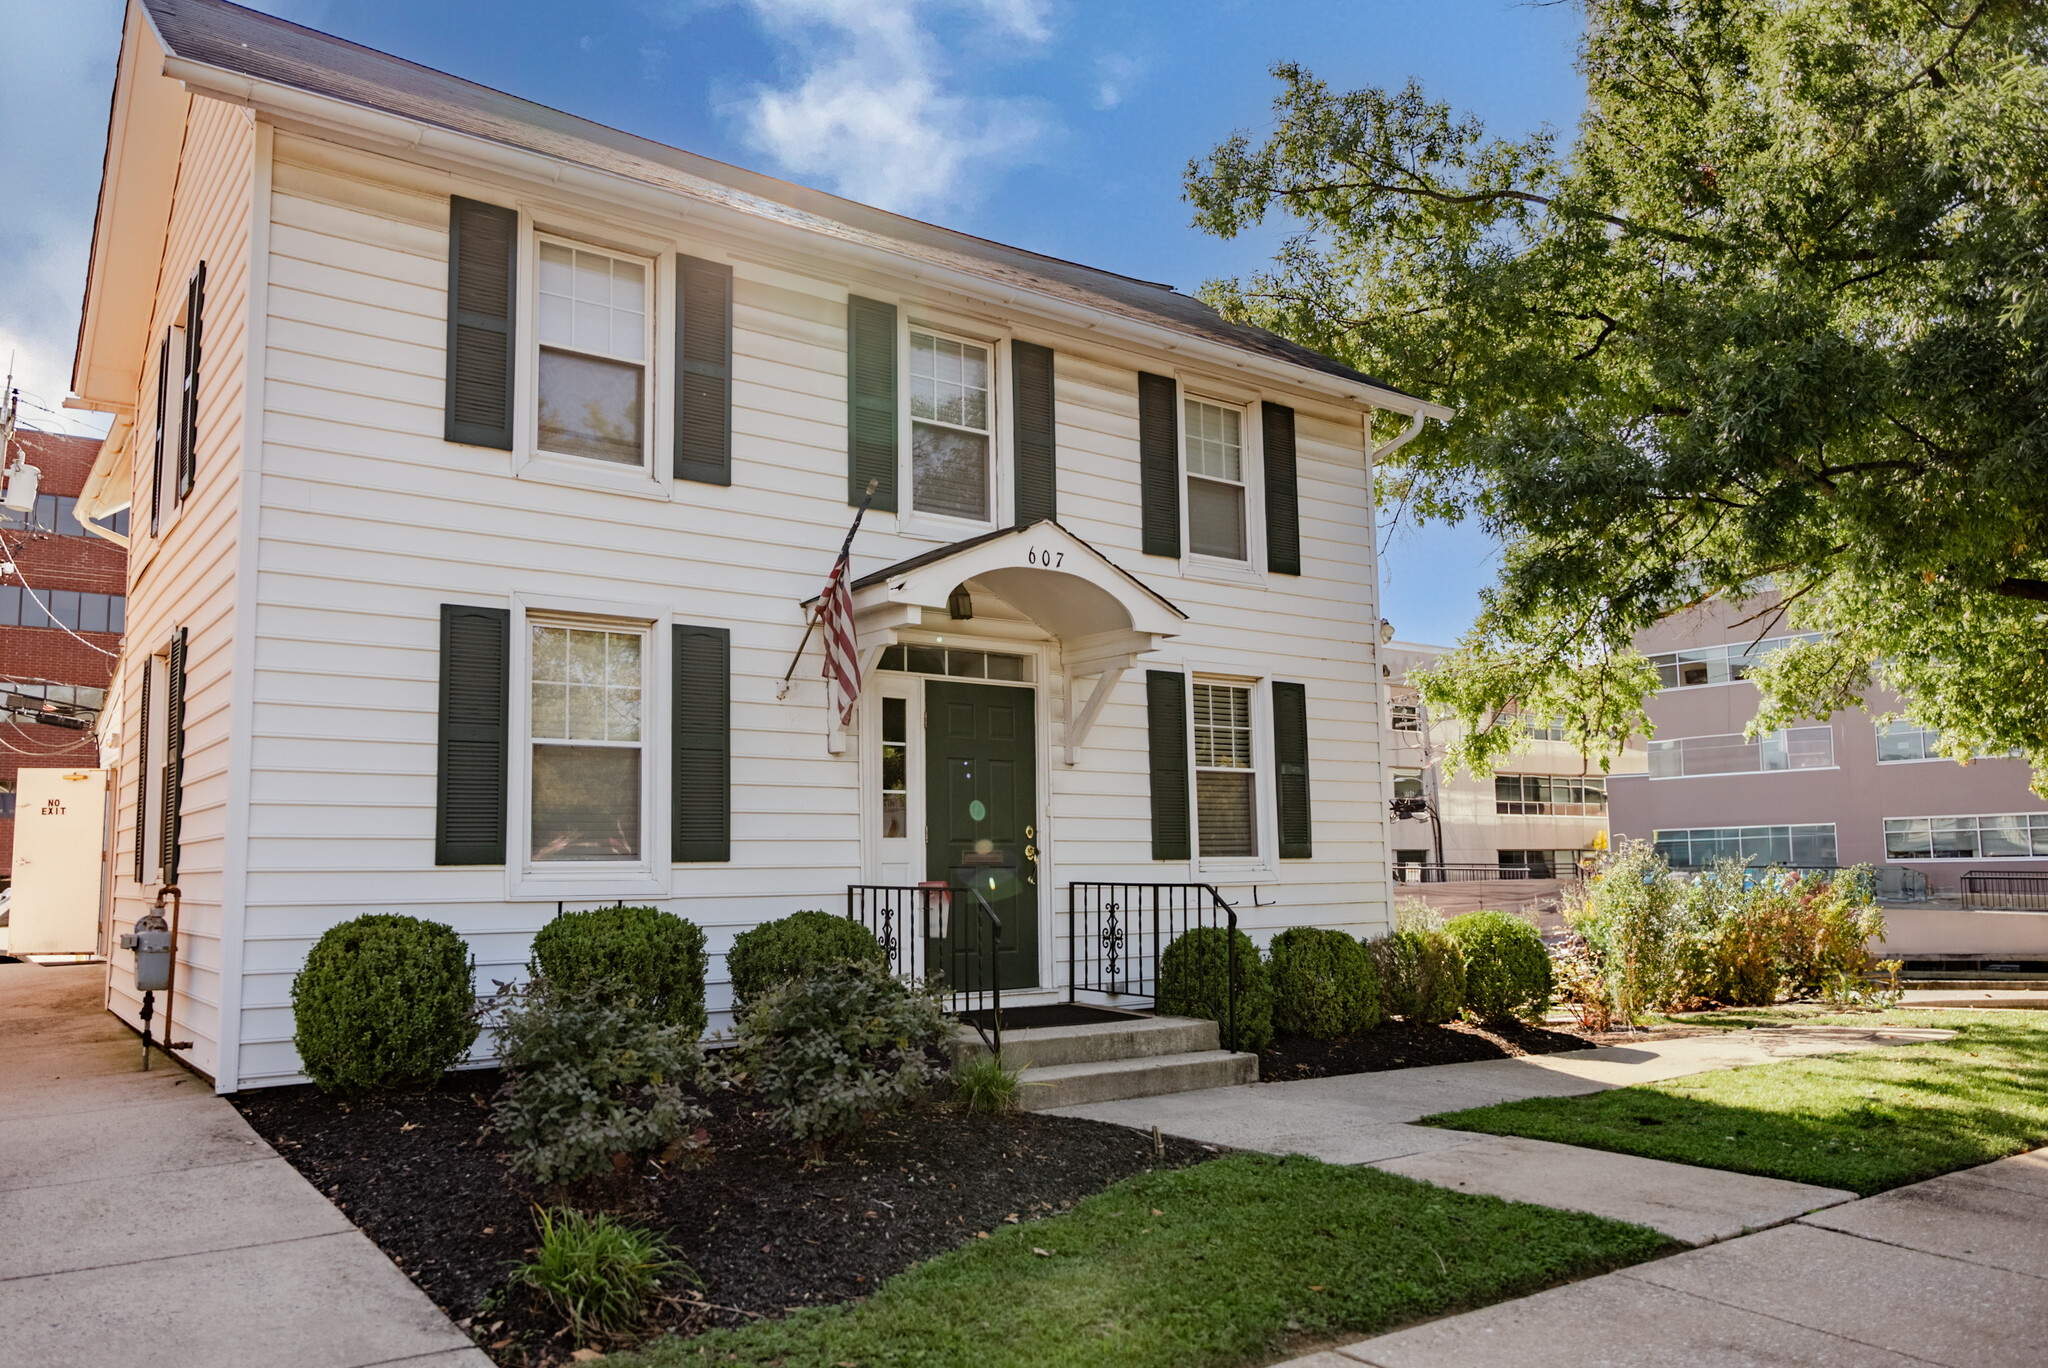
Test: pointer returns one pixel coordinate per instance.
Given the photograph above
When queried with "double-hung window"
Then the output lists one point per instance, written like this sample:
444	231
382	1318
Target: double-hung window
594	343
1226	806
588	743
951	427
1214	441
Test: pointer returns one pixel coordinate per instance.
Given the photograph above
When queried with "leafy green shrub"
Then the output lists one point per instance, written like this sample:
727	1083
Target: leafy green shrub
1639	929
384	1001
593	1074
597	1271
777	951
657	954
1507	970
1324	984
982	1084
844	1040
1194	976
1421	973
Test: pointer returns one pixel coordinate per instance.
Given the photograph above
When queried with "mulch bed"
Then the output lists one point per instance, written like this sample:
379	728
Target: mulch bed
1406	1045
766	1227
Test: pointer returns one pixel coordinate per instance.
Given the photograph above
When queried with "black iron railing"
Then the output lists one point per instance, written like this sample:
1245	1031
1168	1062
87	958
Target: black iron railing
915	925
2001	890
1466	873
1120	934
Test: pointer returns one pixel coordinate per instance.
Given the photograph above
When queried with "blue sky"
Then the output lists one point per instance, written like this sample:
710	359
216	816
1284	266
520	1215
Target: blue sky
1056	125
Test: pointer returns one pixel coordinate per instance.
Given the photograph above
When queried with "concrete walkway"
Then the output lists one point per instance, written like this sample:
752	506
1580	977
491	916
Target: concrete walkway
146	1223
1366	1119
1953	1271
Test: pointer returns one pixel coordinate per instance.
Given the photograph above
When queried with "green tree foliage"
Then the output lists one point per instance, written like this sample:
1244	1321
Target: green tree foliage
383	1001
656	956
1777	311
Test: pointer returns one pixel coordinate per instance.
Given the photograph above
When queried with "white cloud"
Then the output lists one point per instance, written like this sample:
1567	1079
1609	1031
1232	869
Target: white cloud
1115	74
876	111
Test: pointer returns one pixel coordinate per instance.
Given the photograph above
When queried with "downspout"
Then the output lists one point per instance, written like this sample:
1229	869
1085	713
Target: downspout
1408	434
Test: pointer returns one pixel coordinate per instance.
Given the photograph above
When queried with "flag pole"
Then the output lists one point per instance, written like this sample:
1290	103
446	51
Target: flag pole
811	624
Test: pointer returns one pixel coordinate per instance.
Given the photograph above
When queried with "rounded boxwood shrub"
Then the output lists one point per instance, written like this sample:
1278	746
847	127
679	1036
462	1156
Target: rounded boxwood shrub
777	951
1193	979
1507	970
1422	974
655	955
384	1001
1324	984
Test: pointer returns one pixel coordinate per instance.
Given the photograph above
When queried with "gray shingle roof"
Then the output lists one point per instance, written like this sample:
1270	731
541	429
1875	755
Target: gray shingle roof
260	47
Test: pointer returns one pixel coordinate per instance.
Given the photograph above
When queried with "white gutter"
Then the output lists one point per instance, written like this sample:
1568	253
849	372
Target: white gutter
1413	430
417	136
103	493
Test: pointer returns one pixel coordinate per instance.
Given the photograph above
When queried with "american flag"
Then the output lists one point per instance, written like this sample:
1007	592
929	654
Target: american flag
842	660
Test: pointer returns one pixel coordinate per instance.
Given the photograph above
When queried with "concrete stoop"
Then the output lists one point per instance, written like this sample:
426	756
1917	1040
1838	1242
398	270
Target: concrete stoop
1065	1066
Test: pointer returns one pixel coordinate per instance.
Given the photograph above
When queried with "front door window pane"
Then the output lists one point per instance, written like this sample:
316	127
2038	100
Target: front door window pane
586	743
1224	794
895	768
949	429
1215	445
593	355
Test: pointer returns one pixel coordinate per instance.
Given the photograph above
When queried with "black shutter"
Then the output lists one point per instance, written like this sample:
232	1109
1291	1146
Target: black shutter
1166	721
1290	757
703	371
142	779
483	258
476	685
1283	504
174	753
871	401
1037	494
188	402
163	395
1159	463
703	745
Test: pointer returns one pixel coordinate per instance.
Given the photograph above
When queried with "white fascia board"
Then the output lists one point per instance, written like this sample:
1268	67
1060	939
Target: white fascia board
415	135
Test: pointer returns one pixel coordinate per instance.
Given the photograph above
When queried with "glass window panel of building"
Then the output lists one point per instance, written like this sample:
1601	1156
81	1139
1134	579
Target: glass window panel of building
1225	809
2013	836
1216	489
593	355
949	427
586	743
1810	845
1719	664
1543	795
1790	749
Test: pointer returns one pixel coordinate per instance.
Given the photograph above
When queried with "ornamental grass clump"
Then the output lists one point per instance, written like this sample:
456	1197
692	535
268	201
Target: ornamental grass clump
1507	970
1195	978
982	1084
842	1043
656	956
384	1001
792	946
598	1272
594	1075
1324	984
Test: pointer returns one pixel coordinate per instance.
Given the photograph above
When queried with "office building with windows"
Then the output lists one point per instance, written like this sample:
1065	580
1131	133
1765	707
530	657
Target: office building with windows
1847	790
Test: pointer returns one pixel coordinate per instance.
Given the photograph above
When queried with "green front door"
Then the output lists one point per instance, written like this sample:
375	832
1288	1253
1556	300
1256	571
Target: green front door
981	805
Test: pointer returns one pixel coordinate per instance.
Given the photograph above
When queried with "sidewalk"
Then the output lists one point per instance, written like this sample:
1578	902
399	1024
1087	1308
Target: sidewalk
1366	1119
147	1224
1953	1271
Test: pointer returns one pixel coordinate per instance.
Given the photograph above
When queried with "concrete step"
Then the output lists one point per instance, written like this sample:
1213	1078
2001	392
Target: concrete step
1096	1042
1070	1085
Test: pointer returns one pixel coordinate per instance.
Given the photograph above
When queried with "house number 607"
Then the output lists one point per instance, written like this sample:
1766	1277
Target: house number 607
1051	559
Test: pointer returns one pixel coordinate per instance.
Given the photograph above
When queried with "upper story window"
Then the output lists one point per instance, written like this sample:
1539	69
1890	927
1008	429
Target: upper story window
1226	811
586	743
1214	438
1537	729
1809	846
594	342
1790	749
2013	837
951	426
57	515
1541	795
1906	740
1719	664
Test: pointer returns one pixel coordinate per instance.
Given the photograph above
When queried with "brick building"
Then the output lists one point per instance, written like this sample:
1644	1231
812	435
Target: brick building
65	580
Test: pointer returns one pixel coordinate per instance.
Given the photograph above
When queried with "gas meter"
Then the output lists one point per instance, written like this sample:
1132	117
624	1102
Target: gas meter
153	940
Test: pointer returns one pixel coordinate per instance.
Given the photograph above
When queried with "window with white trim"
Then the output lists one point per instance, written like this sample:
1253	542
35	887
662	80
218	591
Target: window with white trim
594	342
1226	797
587	743
1213	435
1720	664
2015	836
952	427
895	774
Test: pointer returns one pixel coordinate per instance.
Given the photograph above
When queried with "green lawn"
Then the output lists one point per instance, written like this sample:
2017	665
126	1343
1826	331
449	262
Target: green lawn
1232	1261
1865	1121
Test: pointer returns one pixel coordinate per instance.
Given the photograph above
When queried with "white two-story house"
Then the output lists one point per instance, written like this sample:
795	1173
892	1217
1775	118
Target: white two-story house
484	464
